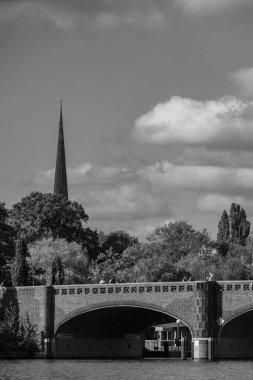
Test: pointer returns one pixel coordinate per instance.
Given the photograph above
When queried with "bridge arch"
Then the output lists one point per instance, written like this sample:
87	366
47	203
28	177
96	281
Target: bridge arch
126	303
235	337
114	329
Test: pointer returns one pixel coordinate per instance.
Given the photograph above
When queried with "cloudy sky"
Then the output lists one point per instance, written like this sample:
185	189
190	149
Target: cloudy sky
157	107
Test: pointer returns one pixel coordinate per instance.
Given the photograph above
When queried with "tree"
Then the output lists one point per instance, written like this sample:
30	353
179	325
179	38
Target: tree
40	215
20	270
55	260
239	226
58	274
223	228
117	241
178	239
153	260
234	228
18	333
7	246
91	243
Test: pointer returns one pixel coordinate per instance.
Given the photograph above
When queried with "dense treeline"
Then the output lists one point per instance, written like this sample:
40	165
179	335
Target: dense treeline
43	240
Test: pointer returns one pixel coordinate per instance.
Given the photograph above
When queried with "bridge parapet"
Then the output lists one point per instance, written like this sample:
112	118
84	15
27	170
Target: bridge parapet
236	286
124	288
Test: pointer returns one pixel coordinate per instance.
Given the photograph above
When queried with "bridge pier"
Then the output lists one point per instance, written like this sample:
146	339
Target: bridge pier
203	348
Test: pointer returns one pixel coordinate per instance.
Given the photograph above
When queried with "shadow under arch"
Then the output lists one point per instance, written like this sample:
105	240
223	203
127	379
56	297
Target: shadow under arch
235	337
110	330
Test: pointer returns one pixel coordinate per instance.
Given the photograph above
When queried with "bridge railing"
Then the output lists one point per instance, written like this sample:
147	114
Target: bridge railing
126	288
155	287
235	286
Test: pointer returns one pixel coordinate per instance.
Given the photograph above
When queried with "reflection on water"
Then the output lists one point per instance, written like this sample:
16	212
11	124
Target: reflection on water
148	369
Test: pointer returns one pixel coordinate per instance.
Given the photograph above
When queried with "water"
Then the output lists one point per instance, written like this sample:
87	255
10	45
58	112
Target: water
146	369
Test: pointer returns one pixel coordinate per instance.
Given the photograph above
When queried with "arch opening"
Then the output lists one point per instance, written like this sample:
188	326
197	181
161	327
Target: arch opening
235	340
122	331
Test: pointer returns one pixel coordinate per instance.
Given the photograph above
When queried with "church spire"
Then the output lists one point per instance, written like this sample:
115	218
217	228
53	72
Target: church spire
60	180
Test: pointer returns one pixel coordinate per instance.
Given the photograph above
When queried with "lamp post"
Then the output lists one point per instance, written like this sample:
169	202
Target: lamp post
178	333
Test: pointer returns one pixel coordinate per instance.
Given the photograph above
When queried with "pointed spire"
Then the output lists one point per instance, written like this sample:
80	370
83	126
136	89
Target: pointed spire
60	181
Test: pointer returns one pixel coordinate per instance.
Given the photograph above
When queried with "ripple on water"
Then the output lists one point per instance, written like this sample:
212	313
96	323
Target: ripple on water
148	369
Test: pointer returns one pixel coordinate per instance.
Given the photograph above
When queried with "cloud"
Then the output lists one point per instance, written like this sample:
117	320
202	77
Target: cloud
88	173
165	175
126	202
223	123
110	20
69	15
243	79
27	10
205	7
216	202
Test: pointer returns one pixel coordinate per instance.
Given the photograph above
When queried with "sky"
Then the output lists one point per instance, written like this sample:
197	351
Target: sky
157	107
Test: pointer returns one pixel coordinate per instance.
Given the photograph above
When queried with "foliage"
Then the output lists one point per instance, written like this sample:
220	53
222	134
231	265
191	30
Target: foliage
45	255
18	333
40	215
117	242
19	271
7	247
58	274
234	228
77	267
223	228
178	239
235	265
28	336
153	260
91	243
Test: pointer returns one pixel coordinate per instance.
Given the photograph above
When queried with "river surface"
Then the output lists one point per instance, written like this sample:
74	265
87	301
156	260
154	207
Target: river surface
148	369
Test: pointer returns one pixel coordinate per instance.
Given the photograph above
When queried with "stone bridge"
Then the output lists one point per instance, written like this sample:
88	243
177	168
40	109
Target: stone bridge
110	319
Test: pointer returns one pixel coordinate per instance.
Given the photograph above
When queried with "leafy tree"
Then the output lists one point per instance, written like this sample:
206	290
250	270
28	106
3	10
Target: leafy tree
91	243
234	228
11	325
7	246
20	270
28	336
178	239
18	333
223	228
117	242
58	274
50	258
153	260
40	215
239	226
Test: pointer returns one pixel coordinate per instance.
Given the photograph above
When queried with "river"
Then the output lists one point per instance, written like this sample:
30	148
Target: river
147	369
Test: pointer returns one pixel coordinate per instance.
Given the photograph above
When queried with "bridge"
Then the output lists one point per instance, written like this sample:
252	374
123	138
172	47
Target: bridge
109	320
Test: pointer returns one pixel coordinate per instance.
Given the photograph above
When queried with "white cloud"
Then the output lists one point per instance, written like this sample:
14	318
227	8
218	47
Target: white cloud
44	177
243	79
216	202
37	10
124	203
226	122
149	20
165	175
67	15
204	7
88	173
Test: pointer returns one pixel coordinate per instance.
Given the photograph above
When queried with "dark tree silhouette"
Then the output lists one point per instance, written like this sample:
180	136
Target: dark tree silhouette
20	269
